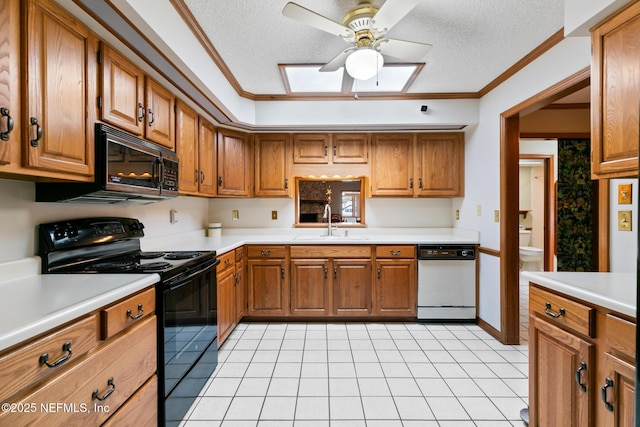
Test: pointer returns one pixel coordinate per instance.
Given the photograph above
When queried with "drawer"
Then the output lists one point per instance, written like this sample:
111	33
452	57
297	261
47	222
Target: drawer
21	368
122	366
621	336
141	409
395	251
123	314
227	260
239	254
266	252
328	251
572	314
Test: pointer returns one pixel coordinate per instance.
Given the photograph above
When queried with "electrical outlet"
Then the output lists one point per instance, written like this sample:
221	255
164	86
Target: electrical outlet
173	216
274	214
235	215
624	220
457	213
496	216
479	210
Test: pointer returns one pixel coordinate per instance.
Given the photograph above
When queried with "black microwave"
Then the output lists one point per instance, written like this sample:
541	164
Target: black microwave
128	169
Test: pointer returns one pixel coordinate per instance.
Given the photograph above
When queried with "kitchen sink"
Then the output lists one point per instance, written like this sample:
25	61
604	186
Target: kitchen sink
325	237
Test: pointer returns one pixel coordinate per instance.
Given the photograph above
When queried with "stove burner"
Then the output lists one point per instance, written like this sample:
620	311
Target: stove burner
181	255
150	255
154	266
113	265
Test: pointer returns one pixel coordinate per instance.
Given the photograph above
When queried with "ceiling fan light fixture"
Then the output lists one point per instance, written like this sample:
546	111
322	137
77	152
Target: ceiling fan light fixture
364	63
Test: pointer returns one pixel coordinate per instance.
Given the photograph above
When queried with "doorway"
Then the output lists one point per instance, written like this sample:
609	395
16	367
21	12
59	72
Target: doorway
509	192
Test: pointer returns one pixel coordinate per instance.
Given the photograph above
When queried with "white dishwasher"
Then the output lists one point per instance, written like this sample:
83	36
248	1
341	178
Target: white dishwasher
446	282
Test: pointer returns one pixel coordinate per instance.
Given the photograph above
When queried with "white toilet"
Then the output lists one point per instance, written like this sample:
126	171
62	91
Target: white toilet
530	257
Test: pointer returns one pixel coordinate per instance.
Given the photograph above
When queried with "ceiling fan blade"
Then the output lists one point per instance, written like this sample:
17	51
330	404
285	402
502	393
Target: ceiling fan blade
309	17
402	49
390	13
338	61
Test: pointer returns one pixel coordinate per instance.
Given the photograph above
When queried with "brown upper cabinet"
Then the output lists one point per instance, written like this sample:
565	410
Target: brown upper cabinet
272	165
195	145
135	102
615	95
48	131
437	171
330	148
234	164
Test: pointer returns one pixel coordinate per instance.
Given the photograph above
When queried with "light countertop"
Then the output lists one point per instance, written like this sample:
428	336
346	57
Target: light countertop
35	303
615	291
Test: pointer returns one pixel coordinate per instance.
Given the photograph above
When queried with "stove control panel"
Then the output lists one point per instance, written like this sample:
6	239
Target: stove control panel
87	231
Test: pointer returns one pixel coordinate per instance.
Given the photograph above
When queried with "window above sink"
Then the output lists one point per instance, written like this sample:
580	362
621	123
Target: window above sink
346	196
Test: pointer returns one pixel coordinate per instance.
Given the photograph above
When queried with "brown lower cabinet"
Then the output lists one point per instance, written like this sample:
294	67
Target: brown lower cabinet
581	362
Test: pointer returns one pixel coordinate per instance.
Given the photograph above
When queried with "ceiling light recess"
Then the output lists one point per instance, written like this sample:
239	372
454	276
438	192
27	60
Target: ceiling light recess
364	63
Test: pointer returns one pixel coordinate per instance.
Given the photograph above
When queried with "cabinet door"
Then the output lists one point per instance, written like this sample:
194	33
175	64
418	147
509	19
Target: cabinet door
207	158
186	144
122	92
310	287
615	95
396	287
440	165
351	287
311	148
226	304
241	290
392	165
234	164
619	395
555	374
160	123
9	91
350	148
272	171
268	288
61	90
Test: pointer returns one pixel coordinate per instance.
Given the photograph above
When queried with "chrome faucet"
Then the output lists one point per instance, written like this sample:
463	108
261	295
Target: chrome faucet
327	214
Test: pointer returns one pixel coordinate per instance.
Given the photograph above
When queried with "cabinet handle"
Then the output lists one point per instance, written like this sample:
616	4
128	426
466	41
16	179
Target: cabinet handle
140	112
335	272
34	122
334	150
137	316
201	177
410	182
112	388
396	253
151	117
282	272
379	273
4	112
326	153
227	262
608	382
66	347
196	175
326	272
235	282
420	183
582	367
263	253
219	181
547	309
286	183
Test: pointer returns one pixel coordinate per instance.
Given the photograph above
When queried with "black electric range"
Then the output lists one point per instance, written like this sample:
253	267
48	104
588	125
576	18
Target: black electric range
186	297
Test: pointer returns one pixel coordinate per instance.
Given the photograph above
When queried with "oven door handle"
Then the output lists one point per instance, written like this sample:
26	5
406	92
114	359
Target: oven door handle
181	280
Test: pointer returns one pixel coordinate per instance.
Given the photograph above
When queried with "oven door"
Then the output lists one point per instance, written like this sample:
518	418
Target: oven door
188	339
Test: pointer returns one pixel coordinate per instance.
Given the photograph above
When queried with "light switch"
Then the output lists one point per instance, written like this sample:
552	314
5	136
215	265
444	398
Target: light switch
274	214
235	215
624	194
496	216
457	213
624	220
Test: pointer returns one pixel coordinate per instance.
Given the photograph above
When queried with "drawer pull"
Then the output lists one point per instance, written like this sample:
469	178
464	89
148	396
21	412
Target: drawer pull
137	316
326	272
583	366
263	253
379	273
608	382
395	253
107	393
547	309
227	262
66	347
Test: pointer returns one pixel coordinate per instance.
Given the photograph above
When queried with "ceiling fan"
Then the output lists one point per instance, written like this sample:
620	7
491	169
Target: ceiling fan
365	27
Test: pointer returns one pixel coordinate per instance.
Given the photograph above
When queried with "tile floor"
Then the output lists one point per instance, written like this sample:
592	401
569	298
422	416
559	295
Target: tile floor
363	374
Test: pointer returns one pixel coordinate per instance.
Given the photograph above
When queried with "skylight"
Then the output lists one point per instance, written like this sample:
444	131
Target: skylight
305	79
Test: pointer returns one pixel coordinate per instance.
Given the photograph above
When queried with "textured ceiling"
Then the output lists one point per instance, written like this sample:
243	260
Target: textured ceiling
473	41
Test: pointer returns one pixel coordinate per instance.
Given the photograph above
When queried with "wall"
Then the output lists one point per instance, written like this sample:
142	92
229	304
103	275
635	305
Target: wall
623	244
482	154
20	215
